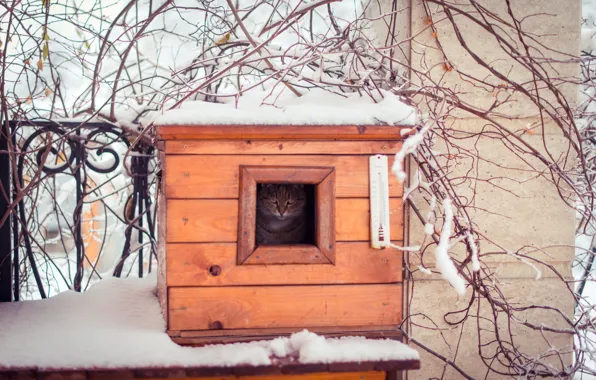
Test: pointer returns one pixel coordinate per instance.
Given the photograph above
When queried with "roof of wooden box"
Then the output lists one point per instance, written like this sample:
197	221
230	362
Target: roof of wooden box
317	115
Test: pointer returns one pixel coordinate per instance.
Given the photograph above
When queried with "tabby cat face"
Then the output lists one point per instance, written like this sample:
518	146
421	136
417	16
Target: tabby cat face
282	201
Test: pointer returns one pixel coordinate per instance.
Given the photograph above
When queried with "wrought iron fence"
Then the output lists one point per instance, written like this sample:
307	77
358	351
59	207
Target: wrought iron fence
76	203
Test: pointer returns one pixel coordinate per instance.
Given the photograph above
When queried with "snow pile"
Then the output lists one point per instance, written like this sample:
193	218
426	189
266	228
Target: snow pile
308	347
118	324
316	107
429	229
474	248
444	263
409	146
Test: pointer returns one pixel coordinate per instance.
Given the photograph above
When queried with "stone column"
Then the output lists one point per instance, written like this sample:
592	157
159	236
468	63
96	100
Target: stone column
515	208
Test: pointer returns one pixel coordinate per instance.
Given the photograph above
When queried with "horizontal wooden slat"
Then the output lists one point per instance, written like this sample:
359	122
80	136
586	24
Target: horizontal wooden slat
372	332
218	176
189	264
312	175
352	219
199	308
201	220
216	220
281	147
279	132
197	341
370	375
284	369
287	254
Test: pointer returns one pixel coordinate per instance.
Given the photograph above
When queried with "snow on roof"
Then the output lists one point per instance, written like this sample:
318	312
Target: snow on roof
316	107
118	324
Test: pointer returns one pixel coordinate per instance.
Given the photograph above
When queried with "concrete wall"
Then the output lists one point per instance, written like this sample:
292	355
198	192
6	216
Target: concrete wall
527	213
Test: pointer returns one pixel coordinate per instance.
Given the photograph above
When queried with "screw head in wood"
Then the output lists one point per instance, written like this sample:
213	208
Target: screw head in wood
215	270
216	325
186	174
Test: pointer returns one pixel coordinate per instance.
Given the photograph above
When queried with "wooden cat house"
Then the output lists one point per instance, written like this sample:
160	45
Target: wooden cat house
217	285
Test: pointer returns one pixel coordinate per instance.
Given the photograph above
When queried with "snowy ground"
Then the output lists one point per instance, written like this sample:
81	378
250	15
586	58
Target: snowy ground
118	324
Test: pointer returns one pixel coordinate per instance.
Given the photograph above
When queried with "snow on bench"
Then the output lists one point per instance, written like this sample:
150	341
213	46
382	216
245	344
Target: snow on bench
117	324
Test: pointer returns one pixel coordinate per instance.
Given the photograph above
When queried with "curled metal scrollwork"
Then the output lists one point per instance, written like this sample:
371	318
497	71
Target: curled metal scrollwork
103	150
48	131
65	143
71	148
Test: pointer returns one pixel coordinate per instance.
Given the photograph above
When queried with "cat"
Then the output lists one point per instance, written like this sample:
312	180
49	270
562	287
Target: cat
282	216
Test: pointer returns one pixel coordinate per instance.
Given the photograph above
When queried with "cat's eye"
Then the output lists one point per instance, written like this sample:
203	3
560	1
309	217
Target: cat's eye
273	200
291	202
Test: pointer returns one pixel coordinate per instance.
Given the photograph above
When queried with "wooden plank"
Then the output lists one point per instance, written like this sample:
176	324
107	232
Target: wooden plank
162	291
207	337
248	216
289	174
352	219
111	375
229	377
287	255
355	263
370	375
17	374
281	147
159	372
196	308
285	368
61	375
373	332
279	132
325	216
218	176
201	220
216	220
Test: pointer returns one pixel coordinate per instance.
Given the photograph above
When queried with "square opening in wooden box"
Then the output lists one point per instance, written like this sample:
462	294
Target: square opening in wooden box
317	246
285	214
